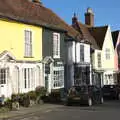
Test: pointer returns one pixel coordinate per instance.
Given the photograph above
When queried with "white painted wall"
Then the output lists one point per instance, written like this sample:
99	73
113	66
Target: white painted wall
95	60
77	52
108	81
87	53
107	65
15	82
73	55
71	52
108	43
35	80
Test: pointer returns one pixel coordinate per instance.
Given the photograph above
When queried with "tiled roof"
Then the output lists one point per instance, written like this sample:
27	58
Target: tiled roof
99	34
115	37
83	29
34	13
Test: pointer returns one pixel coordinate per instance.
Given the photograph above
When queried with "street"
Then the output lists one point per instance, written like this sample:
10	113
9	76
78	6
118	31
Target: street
110	110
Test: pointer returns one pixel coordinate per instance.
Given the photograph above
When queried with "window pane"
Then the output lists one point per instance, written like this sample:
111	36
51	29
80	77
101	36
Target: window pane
107	53
25	77
82	53
3	76
58	78
99	59
28	43
56	45
28	77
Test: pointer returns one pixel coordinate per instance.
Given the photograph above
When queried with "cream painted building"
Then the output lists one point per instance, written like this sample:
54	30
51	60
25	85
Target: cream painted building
103	59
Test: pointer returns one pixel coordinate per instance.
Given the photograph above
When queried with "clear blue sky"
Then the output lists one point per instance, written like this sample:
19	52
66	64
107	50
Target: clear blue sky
106	11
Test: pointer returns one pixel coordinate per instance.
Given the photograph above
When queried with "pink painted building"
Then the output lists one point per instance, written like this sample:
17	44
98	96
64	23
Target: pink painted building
116	42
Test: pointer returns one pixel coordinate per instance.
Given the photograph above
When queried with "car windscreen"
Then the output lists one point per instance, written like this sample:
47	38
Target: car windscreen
81	89
109	86
78	90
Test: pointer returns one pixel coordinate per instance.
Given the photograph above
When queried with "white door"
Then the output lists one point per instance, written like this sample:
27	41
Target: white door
3	90
15	82
3	81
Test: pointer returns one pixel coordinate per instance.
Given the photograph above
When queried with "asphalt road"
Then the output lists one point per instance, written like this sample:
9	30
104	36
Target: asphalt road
110	110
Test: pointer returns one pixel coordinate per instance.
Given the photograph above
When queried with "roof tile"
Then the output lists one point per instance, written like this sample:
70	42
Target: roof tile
99	34
34	13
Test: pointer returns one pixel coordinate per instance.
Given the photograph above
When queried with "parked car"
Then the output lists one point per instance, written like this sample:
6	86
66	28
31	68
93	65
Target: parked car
84	94
111	91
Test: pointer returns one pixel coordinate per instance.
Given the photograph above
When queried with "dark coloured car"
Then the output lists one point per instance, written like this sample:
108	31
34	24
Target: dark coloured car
111	91
84	94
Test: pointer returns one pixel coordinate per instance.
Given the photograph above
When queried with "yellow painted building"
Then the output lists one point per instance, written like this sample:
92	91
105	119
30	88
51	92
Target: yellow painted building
20	57
12	39
21	44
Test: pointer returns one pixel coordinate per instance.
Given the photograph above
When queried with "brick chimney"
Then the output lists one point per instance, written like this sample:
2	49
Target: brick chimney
74	19
89	17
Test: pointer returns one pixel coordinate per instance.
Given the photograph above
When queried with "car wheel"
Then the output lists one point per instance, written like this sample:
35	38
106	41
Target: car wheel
89	102
119	96
68	103
101	100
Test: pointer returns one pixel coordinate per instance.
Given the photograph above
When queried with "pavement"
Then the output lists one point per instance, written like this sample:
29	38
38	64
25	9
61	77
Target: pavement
24	111
109	110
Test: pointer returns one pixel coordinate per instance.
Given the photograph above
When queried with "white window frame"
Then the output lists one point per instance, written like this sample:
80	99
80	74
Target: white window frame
58	81
28	43
82	55
56	45
3	76
107	53
28	78
99	60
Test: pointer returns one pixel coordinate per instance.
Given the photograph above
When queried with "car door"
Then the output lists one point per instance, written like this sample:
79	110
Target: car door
96	94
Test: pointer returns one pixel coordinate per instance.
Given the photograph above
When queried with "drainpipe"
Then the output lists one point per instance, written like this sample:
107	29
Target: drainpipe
75	61
91	67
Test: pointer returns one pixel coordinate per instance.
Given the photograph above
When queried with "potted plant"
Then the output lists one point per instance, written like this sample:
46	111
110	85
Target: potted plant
40	92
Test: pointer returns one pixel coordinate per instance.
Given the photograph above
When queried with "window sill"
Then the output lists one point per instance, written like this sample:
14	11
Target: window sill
56	57
28	57
58	87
